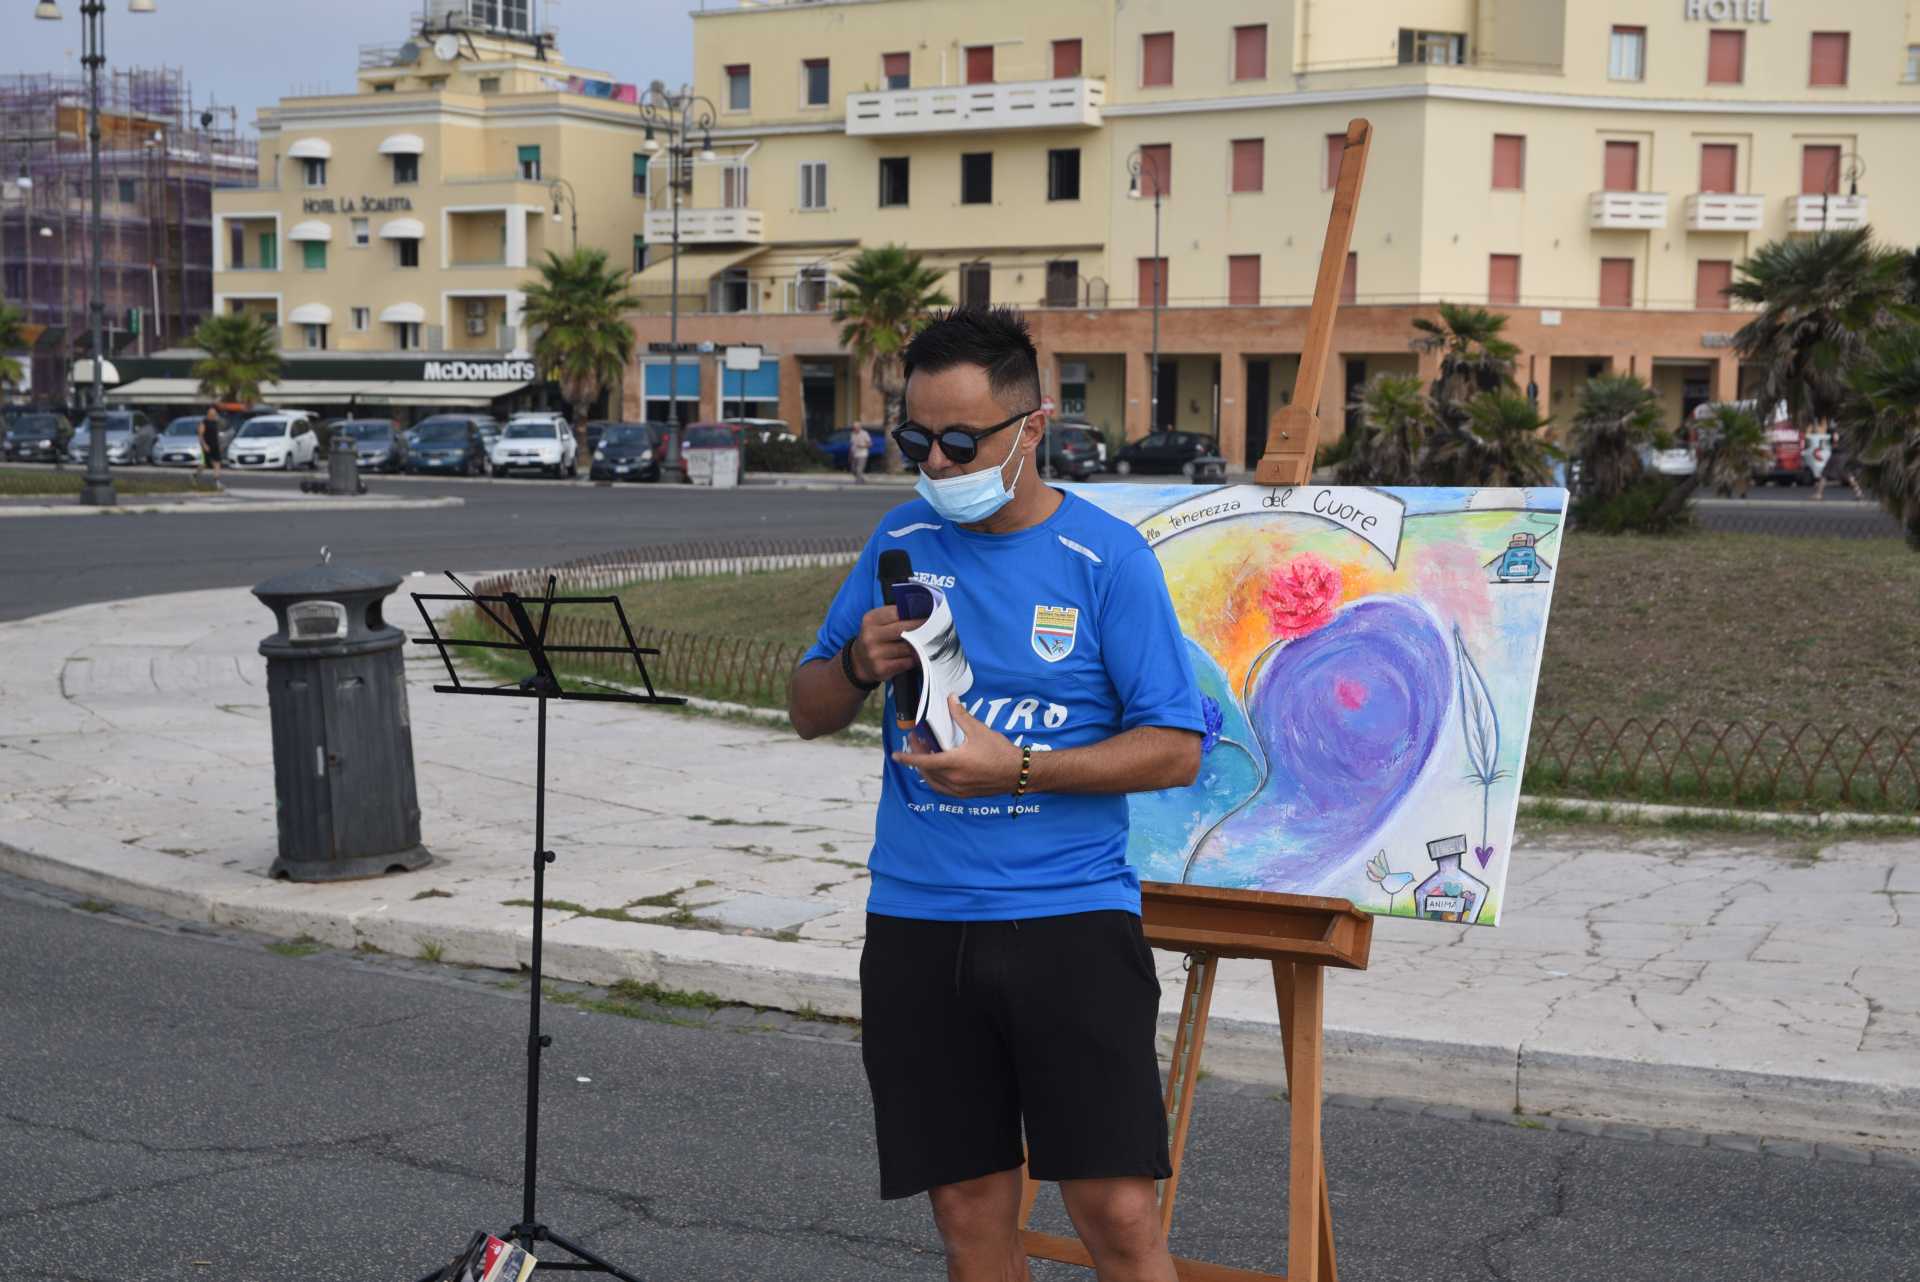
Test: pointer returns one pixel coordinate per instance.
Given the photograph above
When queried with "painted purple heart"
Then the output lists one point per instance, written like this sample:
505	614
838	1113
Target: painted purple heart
1347	717
1484	854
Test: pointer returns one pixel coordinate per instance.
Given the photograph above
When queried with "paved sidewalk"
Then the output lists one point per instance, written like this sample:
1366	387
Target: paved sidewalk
1654	980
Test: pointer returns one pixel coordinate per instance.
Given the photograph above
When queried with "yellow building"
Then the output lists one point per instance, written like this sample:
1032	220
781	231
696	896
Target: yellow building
1595	171
397	227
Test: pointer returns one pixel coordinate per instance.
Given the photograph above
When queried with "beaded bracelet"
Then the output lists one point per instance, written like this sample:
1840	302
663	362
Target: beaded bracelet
1026	774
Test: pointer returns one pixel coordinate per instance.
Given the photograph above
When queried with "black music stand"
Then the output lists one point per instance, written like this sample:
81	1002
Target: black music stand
543	685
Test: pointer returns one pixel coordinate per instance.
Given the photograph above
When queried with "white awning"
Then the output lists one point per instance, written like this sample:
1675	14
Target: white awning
83	371
402	229
311	314
311	149
452	395
312	229
403	145
159	391
403	314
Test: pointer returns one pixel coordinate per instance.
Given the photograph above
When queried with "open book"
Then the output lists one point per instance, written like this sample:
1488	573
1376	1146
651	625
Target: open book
943	671
489	1259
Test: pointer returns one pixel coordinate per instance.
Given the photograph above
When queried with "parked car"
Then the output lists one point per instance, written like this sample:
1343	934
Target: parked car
1072	451
765	429
130	437
447	443
1078	426
285	440
702	439
1163	452
629	452
535	443
179	443
837	448
36	436
379	443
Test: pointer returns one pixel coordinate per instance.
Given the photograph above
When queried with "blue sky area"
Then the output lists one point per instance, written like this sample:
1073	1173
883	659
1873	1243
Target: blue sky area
249	53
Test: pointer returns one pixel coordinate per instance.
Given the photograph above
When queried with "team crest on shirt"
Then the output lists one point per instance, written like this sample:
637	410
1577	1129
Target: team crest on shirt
1054	630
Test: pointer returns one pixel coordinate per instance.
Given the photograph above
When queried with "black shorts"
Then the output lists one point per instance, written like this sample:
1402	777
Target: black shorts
972	1029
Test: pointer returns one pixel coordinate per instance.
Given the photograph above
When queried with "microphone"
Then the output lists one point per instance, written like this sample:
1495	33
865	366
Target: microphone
896	571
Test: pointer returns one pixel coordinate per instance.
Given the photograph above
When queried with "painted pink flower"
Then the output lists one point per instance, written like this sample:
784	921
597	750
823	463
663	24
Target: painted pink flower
1301	596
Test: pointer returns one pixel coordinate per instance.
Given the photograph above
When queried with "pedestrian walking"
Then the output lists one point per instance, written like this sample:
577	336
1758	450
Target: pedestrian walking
1840	467
859	445
210	443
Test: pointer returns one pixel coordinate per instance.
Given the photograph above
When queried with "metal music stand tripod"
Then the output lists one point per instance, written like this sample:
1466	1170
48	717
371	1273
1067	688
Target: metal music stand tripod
530	639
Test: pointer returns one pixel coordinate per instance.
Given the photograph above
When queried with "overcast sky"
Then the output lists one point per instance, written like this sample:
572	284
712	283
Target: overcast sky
231	51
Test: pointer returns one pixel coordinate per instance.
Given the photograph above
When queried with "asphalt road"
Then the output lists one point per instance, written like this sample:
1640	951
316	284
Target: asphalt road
183	1103
51	562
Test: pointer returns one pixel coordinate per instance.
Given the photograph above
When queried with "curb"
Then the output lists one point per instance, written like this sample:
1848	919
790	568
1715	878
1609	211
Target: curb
357	503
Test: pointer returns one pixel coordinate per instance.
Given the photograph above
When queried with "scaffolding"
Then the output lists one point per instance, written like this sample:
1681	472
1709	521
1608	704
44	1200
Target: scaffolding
161	157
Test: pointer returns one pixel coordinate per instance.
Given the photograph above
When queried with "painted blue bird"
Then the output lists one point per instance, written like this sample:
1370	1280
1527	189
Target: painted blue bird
1391	882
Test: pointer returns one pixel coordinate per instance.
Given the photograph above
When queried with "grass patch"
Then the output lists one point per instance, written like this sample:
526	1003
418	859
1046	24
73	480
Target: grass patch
434	894
1550	812
431	951
93	906
48	482
298	946
553	905
667	900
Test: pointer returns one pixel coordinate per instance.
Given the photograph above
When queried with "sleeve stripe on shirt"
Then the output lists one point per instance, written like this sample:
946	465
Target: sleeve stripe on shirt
905	530
1071	546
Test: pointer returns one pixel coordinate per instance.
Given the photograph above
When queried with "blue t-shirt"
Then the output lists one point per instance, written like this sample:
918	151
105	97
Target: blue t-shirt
1072	640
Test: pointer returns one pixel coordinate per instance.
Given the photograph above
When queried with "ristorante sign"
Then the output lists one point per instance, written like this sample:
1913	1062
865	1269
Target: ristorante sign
363	205
477	372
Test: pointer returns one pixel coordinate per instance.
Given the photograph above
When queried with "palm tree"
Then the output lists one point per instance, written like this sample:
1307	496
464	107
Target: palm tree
242	352
1499	441
1615	418
1730	446
887	293
1884	416
1474	357
12	321
1821	300
579	307
1392	420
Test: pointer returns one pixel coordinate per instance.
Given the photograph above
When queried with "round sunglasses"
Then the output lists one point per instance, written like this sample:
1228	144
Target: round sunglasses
961	445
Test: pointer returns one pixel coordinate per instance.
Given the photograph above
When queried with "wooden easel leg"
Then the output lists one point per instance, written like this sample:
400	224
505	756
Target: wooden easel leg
1300	990
1183	1072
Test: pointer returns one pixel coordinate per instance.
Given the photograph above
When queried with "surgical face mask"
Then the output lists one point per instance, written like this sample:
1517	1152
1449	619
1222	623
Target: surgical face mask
970	497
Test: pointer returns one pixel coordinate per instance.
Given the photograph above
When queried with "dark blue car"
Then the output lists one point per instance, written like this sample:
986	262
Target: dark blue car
839	451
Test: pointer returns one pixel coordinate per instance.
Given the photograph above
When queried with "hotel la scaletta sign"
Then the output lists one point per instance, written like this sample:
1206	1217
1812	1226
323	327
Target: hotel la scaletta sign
1729	10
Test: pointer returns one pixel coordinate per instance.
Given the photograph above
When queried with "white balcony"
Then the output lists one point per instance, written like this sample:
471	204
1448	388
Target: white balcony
1628	210
948	109
1827	213
706	227
1723	211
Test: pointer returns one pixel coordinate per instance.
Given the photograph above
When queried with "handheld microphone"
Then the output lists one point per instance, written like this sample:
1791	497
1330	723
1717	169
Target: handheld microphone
896	572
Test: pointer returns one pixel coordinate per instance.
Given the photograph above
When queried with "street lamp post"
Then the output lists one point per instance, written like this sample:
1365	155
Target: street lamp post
1846	165
97	488
1137	164
562	190
677	113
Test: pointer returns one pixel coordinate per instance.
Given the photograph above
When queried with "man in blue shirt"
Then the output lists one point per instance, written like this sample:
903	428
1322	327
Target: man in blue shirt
1006	987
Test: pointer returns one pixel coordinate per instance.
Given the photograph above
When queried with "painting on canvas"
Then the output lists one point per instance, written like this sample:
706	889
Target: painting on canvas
1367	661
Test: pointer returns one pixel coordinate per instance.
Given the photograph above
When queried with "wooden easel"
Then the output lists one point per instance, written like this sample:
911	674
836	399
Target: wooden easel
1300	935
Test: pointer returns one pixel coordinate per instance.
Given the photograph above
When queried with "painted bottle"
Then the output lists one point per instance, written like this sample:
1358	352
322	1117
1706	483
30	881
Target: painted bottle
1450	893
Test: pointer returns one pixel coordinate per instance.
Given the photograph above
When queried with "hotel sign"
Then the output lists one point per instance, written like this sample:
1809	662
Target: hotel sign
1729	10
347	205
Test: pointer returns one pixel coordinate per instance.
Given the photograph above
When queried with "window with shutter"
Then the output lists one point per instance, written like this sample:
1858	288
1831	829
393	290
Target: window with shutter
640	163
1249	164
1710	284
976	285
816	72
1066	59
733	187
895	176
739	87
1063	173
979	64
1726	57
1622	167
1063	282
1820	170
1336	148
1719	167
1156	170
1503	279
1156	59
1250	52
1627	54
897	68
1350	279
976	178
1153	272
1243	280
1616	282
813	184
1829	59
1509	162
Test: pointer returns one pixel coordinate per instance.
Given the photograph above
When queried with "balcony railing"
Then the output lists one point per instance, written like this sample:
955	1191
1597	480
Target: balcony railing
706	227
1827	213
1723	211
1628	210
1027	104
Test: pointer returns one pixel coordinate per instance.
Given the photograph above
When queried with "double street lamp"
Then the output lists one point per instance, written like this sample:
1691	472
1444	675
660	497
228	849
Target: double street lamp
96	489
1140	165
679	114
561	192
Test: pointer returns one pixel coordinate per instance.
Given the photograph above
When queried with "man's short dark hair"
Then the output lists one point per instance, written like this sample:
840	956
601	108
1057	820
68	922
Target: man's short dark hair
994	338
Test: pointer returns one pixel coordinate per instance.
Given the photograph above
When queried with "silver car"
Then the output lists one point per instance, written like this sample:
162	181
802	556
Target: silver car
178	444
130	437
